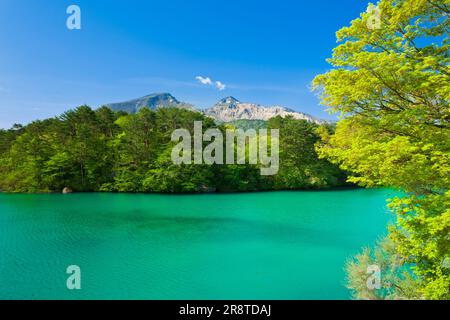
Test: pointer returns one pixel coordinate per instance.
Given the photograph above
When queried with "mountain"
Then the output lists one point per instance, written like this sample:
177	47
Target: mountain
231	109
228	109
152	101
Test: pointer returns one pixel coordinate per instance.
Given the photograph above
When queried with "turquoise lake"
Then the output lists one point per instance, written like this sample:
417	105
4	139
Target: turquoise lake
274	245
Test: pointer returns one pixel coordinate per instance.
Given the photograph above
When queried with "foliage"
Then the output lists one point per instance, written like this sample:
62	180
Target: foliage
103	150
397	281
392	86
300	165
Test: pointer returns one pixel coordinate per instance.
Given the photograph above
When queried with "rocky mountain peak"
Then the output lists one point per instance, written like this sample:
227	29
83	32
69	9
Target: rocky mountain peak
231	109
225	110
151	101
228	100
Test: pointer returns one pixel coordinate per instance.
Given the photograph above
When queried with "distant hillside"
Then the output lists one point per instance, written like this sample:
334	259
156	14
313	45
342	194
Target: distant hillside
231	109
228	109
152	101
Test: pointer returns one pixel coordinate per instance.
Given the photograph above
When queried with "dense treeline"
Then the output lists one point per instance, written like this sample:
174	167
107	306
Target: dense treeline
102	150
391	80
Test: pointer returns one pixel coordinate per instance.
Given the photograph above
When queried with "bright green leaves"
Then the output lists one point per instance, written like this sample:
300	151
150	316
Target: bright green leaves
392	83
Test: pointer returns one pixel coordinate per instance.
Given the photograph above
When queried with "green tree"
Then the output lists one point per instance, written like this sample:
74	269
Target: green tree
102	150
23	165
300	167
165	176
391	84
82	141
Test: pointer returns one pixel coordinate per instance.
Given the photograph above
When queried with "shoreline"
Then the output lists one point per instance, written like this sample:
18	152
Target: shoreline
343	188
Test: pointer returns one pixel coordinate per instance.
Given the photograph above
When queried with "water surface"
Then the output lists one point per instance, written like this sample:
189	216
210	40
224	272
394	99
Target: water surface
278	245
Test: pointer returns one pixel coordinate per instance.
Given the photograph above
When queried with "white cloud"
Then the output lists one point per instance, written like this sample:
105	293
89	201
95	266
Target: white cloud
220	86
207	81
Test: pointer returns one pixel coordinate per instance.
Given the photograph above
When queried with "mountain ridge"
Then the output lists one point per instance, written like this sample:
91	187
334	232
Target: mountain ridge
231	109
228	109
151	101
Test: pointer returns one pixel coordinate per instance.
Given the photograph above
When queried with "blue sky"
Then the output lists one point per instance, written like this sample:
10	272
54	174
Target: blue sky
263	51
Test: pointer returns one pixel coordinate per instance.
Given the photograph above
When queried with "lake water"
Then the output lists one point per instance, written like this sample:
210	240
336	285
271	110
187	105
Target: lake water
278	245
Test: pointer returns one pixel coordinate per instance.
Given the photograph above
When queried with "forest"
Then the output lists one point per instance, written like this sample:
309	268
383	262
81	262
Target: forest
100	150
